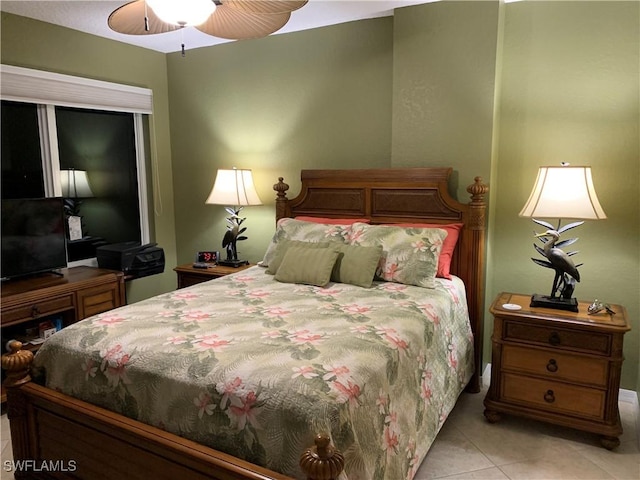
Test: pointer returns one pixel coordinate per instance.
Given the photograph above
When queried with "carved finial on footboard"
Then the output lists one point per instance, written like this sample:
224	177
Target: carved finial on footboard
17	363
281	201
322	462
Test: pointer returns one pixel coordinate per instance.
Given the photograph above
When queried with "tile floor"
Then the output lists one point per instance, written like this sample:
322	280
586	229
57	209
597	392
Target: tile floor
468	447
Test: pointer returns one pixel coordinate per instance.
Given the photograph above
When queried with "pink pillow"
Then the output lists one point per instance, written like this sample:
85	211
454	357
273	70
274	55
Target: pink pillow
448	246
333	221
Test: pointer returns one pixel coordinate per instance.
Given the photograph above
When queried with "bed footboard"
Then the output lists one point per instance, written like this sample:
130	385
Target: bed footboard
56	436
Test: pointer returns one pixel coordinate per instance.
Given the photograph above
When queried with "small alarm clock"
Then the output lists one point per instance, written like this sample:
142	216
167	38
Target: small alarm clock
207	257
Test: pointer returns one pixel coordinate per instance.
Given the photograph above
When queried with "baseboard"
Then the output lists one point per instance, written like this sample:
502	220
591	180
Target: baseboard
486	376
628	396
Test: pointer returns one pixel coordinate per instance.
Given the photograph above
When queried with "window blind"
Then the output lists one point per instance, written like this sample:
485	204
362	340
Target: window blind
37	86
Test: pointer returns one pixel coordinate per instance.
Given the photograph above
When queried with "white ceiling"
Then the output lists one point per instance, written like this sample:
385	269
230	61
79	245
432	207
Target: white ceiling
91	17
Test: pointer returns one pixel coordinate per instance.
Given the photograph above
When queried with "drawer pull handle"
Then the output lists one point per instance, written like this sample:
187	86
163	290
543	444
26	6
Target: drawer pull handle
554	339
35	311
552	366
549	397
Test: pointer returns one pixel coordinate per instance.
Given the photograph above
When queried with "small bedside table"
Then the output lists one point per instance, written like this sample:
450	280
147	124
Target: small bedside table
557	366
187	275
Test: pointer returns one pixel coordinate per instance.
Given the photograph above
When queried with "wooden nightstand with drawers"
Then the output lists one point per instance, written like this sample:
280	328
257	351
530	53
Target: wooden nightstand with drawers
189	275
557	366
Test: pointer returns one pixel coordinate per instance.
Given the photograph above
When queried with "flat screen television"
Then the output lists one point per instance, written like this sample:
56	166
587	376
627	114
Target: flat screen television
33	236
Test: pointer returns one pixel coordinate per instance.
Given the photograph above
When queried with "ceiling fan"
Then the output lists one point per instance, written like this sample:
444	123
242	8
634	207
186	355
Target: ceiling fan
230	19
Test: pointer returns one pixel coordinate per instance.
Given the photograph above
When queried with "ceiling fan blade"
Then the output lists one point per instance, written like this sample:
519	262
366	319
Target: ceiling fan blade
265	6
129	19
227	22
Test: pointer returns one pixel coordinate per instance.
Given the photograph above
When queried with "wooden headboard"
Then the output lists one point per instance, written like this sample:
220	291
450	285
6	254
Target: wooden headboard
403	195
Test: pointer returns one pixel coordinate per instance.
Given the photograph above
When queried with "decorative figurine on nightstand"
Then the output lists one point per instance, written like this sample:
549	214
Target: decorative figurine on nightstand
597	306
567	273
233	235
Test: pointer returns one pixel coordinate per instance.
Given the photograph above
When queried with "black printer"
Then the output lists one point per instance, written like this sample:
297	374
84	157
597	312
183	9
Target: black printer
132	258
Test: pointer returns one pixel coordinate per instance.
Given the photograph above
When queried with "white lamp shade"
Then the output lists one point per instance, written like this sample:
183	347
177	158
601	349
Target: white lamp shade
564	192
75	184
182	12
234	187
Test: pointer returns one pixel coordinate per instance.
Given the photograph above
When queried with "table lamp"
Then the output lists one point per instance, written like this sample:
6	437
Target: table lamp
75	185
233	187
561	192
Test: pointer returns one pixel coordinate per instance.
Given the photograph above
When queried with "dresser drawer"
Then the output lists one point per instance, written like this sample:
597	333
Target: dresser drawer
553	396
92	301
556	365
561	338
37	309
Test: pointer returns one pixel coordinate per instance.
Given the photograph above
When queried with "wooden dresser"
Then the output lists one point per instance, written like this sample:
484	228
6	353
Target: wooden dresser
557	366
60	300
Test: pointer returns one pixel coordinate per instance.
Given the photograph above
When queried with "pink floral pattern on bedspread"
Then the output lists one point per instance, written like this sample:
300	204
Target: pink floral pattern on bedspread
255	368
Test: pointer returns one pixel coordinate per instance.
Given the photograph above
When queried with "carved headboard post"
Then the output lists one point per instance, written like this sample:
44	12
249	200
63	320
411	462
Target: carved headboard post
476	281
282	202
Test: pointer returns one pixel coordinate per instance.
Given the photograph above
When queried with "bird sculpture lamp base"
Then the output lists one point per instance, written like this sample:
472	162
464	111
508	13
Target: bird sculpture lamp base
545	301
233	263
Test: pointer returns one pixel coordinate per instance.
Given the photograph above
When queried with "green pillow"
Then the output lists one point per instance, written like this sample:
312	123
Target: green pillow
311	266
282	248
356	265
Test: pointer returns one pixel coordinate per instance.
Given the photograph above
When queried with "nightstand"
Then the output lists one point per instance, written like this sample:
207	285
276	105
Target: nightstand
557	366
188	275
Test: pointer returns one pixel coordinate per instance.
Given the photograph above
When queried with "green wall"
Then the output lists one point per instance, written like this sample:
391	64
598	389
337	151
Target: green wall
443	88
498	90
315	99
570	85
492	89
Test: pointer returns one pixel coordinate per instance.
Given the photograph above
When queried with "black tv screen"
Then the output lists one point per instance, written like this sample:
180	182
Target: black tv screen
33	236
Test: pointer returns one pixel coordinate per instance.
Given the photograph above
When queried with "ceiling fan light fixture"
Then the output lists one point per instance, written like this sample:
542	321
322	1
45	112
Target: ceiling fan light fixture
230	19
183	13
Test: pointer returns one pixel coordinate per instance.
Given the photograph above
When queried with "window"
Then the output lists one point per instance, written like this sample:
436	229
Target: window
53	123
103	145
22	175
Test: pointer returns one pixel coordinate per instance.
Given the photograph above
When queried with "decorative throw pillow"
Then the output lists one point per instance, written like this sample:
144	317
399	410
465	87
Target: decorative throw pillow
446	254
409	255
292	229
283	246
333	221
311	266
356	265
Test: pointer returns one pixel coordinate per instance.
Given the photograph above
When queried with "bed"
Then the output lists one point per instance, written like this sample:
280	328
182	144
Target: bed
264	360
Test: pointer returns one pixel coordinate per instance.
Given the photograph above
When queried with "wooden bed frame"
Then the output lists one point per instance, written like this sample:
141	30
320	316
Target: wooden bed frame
90	442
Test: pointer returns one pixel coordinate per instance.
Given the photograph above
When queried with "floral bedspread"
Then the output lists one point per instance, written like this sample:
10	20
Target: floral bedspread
255	368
